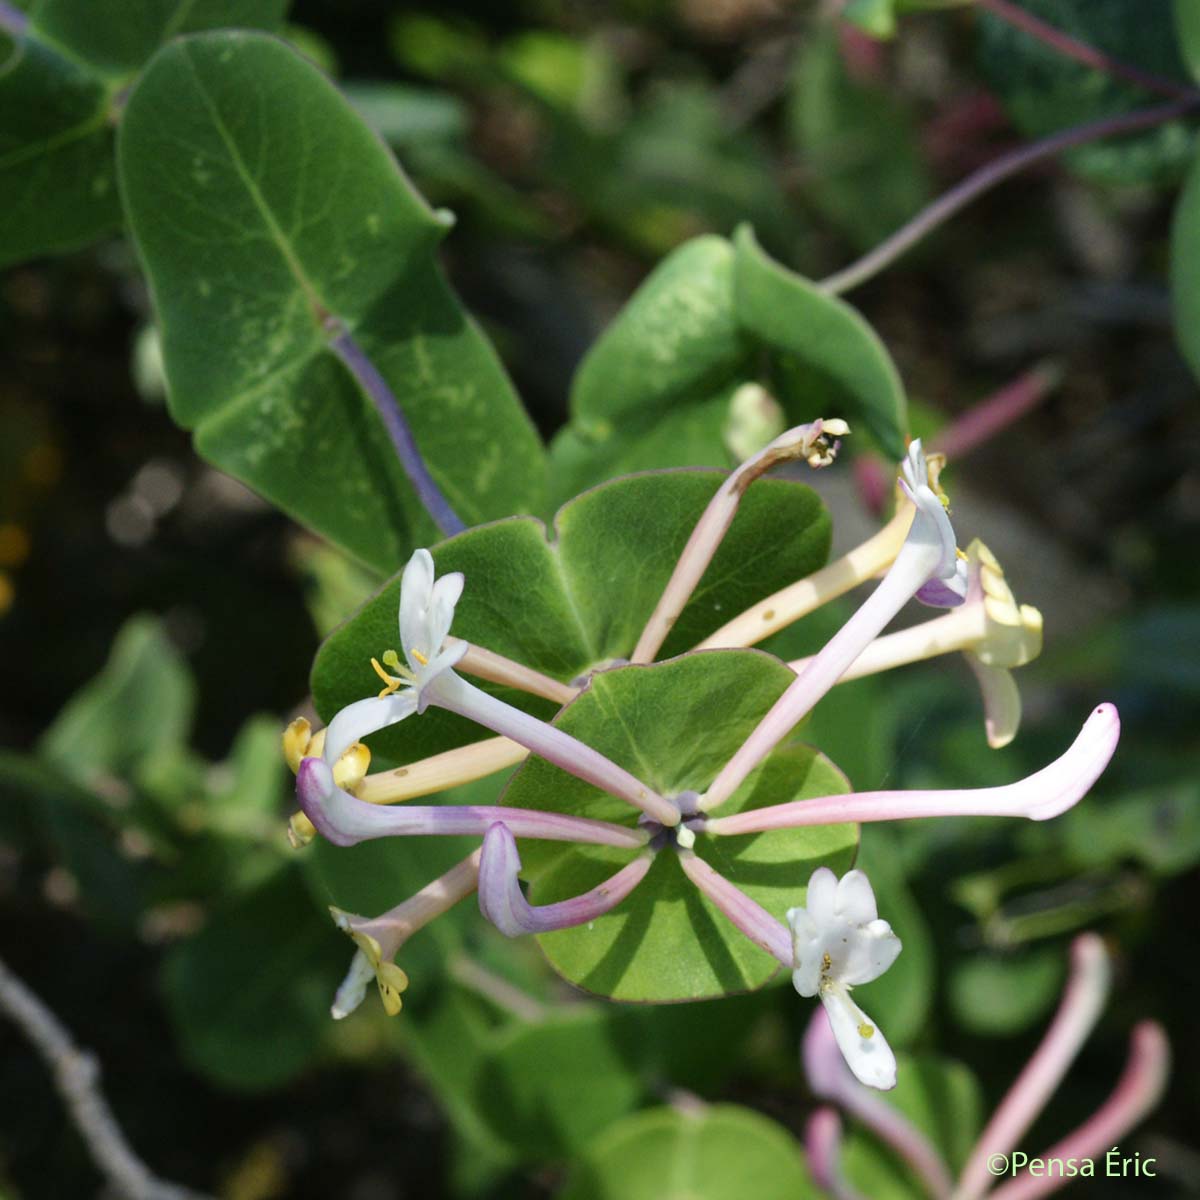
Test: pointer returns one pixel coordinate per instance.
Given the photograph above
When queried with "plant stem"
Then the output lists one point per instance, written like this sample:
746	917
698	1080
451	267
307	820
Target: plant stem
76	1076
1071	47
355	359
995	413
946	206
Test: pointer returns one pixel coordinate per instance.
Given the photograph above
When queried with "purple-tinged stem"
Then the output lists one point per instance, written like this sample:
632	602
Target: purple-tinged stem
947	205
748	915
345	820
12	20
1078	1012
503	903
1045	794
1137	1093
914	564
805	441
452	692
1071	47
823	1150
831	1079
998	411
372	382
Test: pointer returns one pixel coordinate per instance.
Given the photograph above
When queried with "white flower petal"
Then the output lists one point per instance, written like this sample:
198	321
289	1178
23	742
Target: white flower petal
416	595
869	1057
870	952
821	897
353	988
856	899
363	717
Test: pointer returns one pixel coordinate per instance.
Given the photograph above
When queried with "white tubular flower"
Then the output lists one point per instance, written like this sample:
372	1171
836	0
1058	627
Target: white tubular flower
838	942
947	586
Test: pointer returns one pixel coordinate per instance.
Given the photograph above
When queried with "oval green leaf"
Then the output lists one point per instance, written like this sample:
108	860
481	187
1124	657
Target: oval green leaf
263	206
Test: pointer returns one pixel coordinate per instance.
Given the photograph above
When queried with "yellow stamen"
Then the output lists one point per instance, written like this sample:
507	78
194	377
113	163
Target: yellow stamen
297	738
391	683
420	657
392	659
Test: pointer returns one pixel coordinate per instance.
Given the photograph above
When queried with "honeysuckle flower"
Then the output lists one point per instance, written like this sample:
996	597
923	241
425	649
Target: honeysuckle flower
378	939
993	631
839	942
823	1150
426	612
815	443
349	769
928	562
1044	794
502	902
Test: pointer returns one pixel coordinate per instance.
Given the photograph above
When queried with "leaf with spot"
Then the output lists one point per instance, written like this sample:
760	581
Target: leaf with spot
674	725
565	599
263	208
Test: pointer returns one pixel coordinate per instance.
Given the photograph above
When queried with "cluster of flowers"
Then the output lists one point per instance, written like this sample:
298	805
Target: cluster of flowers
836	939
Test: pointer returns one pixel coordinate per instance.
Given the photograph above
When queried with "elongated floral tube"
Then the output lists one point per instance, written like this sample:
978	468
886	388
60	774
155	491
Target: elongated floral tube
379	938
1137	1093
1039	796
454	693
441	771
1079	1010
748	915
823	1150
345	820
789	604
496	668
831	1079
503	903
914	565
808	442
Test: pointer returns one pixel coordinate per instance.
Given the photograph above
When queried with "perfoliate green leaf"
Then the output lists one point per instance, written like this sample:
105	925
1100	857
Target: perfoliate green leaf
568	605
264	208
674	725
825	355
717	1153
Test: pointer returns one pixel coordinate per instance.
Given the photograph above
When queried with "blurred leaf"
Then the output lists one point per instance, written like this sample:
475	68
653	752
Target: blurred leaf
403	114
566	606
314	220
858	145
876	17
1043	91
115	37
675	725
249	995
1158	827
1185	268
709	1153
58	188
529	1089
137	708
1187	27
822	343
82	838
999	995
